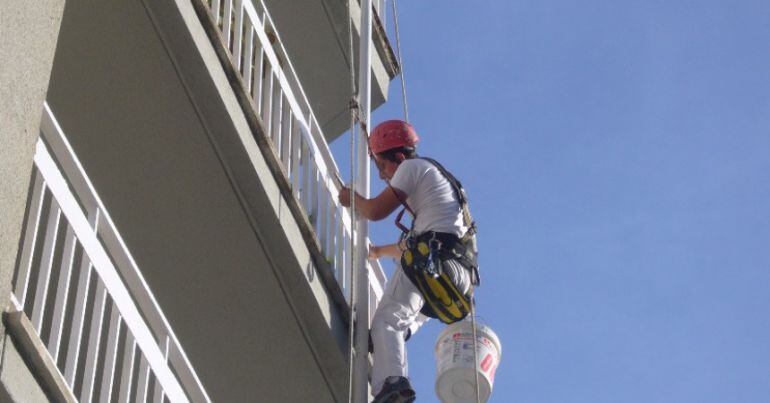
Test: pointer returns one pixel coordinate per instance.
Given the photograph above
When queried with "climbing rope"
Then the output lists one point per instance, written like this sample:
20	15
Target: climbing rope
400	63
353	118
475	345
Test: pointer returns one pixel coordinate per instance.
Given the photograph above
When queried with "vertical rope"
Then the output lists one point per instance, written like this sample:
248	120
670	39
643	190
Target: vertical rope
475	346
400	63
353	117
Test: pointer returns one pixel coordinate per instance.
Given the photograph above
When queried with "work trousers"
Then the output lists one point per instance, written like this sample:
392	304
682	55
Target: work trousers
397	314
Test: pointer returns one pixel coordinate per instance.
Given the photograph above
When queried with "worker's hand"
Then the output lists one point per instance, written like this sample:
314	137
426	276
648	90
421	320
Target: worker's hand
344	196
374	252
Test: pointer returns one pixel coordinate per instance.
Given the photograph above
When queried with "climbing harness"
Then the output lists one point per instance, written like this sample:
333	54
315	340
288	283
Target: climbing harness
425	255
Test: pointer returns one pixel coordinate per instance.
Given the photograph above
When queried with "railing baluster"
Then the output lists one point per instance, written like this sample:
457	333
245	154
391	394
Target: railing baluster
144	380
342	275
248	70
46	262
373	299
306	162
127	370
331	251
277	124
296	156
323	218
341	241
227	20
79	313
331	225
62	292
267	98
259	77
286	137
30	237
108	373
315	180
94	340
215	11
238	40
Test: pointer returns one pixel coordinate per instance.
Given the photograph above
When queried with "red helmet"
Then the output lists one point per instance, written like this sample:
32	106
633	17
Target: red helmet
392	134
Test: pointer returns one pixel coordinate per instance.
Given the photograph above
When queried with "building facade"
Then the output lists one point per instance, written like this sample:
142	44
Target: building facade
170	224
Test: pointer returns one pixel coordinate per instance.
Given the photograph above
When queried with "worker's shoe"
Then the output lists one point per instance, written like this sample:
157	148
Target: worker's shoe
397	389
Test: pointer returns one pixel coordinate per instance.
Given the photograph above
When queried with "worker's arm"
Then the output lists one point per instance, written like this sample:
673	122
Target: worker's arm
392	250
373	209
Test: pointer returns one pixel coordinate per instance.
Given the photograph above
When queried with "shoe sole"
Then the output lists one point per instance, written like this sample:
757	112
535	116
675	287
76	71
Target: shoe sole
401	397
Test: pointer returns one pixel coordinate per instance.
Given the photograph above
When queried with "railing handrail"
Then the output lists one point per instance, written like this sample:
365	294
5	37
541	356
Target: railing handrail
136	290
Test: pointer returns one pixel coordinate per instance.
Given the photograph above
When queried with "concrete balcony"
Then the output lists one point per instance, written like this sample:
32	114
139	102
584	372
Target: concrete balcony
315	35
81	311
195	131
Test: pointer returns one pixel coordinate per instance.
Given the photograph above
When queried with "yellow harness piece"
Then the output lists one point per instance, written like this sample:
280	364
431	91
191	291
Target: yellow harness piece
442	298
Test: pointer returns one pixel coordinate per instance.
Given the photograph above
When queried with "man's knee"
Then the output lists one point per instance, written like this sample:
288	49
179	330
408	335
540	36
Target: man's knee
393	319
383	321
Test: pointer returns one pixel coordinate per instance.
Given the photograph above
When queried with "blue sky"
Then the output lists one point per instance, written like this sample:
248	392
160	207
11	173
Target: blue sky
617	159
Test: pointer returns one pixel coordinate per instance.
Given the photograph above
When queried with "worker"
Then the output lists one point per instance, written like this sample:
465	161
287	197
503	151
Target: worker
436	201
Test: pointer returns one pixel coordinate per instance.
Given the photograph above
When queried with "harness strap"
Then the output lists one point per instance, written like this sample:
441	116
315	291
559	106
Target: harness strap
459	192
457	189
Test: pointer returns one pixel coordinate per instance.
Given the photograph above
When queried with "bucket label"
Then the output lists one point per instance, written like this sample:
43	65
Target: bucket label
486	363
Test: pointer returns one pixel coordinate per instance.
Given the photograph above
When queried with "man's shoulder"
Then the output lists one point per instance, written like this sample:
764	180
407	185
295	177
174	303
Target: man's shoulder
416	163
409	173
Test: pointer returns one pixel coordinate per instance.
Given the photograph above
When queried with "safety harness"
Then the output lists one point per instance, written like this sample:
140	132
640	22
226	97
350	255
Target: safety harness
425	254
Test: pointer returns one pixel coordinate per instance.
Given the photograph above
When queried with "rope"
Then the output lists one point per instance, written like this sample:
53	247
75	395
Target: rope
475	346
353	117
400	63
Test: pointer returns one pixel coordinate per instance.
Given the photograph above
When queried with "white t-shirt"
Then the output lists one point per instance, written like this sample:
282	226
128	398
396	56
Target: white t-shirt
430	196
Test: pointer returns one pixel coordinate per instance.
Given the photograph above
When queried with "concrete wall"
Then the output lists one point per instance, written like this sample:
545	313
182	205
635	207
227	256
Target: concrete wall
17	383
28	36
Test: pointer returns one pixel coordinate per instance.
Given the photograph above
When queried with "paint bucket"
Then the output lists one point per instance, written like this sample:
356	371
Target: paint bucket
455	378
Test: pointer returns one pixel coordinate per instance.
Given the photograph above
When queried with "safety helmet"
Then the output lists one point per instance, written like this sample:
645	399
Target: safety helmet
392	134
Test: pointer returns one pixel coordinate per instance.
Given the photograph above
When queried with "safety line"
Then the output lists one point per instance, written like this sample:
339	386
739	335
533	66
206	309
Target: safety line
401	64
353	117
475	344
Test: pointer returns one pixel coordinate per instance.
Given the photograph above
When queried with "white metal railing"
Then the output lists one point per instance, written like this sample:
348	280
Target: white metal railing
267	75
86	298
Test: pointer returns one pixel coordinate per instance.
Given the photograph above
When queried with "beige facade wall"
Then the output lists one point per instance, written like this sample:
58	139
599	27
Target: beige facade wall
28	35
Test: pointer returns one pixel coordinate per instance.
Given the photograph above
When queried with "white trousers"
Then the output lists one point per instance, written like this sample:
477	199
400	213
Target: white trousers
398	311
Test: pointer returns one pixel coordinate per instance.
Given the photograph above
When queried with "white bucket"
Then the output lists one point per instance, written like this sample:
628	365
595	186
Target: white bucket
455	379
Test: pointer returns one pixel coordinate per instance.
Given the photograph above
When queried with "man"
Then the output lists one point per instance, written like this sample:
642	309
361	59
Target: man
425	191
